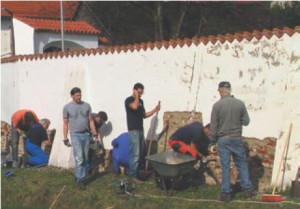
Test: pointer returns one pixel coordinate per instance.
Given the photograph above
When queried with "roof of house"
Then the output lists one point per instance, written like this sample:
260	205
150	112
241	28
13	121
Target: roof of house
160	44
45	9
55	25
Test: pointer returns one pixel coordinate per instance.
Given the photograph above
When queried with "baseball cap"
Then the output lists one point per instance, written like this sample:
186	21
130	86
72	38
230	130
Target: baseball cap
224	84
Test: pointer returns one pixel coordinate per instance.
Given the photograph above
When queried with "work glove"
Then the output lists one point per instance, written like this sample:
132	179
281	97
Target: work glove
67	142
204	159
23	135
197	165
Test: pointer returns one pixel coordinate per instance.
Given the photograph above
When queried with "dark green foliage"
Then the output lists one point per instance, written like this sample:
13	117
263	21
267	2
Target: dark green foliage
129	22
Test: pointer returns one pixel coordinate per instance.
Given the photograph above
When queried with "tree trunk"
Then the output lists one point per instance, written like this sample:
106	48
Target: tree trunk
176	24
158	21
202	22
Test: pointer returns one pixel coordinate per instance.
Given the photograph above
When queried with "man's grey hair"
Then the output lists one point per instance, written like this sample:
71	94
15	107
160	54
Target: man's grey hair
225	90
45	121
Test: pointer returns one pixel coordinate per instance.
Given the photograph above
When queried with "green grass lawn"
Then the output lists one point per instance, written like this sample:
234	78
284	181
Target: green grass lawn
39	188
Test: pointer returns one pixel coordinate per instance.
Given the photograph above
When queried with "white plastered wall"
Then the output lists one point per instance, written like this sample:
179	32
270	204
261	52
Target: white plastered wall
23	35
264	73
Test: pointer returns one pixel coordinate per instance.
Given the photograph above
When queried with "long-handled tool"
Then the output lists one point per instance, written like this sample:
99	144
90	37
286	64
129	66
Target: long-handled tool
166	134
143	175
151	138
276	197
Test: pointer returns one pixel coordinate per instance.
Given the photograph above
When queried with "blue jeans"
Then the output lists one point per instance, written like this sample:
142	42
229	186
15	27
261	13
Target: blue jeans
80	144
234	147
136	147
36	156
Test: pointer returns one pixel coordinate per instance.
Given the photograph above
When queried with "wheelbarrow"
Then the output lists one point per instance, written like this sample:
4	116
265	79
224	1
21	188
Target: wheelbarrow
170	166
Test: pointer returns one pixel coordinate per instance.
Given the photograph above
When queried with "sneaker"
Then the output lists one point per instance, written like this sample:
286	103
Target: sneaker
101	169
81	185
225	197
249	193
15	164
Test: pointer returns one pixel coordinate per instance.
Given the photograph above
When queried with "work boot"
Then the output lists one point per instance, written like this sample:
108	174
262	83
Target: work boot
225	197
15	164
136	180
249	193
81	185
25	160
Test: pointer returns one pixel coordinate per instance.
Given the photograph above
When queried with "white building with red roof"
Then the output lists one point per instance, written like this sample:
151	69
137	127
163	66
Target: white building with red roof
33	28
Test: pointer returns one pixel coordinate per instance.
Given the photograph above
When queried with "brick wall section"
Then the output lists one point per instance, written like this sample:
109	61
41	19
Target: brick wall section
261	153
176	120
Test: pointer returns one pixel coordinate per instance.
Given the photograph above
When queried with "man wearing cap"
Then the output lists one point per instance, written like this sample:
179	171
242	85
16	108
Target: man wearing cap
227	118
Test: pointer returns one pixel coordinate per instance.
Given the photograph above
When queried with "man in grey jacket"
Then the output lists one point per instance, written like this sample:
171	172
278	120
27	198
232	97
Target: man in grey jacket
227	118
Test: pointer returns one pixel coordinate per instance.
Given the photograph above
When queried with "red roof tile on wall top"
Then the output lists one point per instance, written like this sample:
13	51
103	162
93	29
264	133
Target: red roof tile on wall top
55	25
160	44
40	9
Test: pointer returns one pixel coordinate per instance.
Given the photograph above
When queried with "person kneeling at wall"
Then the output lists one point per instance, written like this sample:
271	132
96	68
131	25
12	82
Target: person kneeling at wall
191	139
120	153
35	136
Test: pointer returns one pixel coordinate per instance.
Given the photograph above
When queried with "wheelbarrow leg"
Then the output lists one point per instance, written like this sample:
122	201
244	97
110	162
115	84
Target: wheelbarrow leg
168	192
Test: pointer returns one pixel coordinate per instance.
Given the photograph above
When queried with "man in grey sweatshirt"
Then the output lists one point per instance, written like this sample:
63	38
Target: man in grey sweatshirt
227	118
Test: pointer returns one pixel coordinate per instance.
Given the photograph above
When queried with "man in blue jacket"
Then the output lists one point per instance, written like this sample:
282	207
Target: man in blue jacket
35	136
120	152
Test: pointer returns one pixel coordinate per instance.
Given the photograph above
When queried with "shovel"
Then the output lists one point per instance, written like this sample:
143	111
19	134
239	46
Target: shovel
143	175
277	197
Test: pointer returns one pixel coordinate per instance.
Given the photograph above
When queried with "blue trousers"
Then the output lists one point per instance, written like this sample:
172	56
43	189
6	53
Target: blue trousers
36	156
136	148
80	144
234	147
118	160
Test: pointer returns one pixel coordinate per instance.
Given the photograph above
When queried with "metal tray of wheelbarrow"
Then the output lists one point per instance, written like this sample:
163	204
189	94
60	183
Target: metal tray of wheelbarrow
171	164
